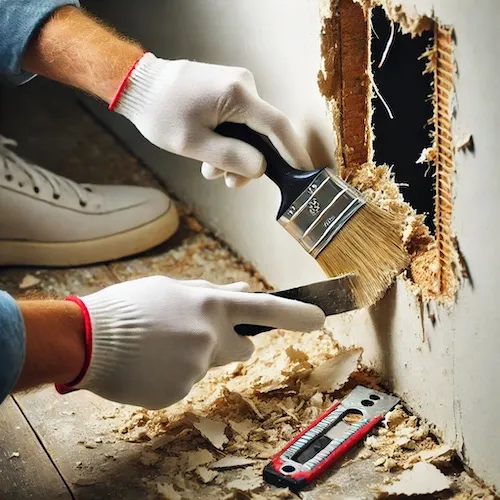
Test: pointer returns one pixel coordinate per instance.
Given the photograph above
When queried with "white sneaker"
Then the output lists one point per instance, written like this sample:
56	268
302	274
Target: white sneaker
48	220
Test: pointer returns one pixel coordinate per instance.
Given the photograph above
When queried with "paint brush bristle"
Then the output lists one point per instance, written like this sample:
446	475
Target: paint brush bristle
370	246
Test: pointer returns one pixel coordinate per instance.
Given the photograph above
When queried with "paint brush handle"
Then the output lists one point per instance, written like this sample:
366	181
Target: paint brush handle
291	182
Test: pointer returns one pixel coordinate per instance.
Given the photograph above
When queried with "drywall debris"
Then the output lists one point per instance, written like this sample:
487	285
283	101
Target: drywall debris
85	481
422	479
206	475
14	454
325	9
193	459
232	463
243	428
213	431
168	492
28	281
395	417
245	484
409	20
148	458
439	456
463	141
332	374
428	155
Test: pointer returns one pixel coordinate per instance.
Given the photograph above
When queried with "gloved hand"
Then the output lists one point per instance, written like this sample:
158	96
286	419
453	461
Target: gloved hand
149	340
176	105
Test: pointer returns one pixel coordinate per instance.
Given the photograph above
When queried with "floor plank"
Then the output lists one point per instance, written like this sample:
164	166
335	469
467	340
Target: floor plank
26	470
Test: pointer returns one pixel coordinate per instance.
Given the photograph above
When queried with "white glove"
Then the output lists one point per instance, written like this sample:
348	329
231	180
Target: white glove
151	339
176	105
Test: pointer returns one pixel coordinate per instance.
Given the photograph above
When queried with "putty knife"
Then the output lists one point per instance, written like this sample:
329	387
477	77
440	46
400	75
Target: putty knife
333	296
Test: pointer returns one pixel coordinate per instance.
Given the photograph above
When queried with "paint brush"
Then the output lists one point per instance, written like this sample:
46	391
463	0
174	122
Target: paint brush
332	221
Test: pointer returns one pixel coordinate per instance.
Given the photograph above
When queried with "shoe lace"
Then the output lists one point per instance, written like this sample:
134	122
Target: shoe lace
11	165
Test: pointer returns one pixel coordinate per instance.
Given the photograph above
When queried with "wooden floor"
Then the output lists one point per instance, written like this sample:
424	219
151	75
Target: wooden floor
50	446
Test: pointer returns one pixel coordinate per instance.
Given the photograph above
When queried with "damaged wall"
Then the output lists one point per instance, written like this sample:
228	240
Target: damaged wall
442	360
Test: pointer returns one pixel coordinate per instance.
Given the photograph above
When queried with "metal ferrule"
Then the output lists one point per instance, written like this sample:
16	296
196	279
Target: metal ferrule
319	213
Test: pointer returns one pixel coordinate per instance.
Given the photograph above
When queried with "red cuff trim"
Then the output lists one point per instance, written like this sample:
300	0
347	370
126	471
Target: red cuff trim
123	85
70	387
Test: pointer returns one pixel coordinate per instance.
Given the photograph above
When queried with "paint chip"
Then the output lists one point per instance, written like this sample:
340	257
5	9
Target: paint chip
332	374
422	479
28	281
213	431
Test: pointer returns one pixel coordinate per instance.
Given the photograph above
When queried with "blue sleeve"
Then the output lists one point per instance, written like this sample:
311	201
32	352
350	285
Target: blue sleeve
12	344
19	20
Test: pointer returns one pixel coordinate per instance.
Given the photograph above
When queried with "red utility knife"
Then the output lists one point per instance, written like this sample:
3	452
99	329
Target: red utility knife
329	437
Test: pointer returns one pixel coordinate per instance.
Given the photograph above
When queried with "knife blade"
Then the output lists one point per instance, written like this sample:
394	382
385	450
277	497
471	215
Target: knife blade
333	296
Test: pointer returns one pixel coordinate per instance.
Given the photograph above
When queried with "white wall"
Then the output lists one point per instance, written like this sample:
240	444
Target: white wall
451	379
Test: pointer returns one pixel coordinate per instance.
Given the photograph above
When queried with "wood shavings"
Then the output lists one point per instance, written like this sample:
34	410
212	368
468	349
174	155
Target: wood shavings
332	374
213	431
422	479
206	475
232	463
168	492
29	281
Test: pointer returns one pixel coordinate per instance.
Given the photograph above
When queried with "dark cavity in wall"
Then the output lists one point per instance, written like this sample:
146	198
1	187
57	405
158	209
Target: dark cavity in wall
407	90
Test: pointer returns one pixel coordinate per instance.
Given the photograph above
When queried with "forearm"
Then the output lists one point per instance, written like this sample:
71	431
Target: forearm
55	342
75	49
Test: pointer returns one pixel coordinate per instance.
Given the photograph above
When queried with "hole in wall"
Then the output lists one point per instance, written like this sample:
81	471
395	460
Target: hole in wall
404	131
376	156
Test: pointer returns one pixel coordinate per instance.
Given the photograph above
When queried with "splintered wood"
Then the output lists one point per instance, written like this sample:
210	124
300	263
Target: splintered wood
435	269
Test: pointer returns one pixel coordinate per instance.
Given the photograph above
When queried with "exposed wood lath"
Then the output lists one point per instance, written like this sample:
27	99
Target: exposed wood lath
444	150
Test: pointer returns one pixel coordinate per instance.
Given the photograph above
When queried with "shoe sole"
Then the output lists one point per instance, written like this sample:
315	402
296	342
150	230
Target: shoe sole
78	253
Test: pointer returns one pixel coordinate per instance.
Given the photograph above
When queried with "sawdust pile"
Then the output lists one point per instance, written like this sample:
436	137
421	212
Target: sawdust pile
237	417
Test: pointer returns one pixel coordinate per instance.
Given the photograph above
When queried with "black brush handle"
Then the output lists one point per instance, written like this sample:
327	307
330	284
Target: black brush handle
292	182
251	330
